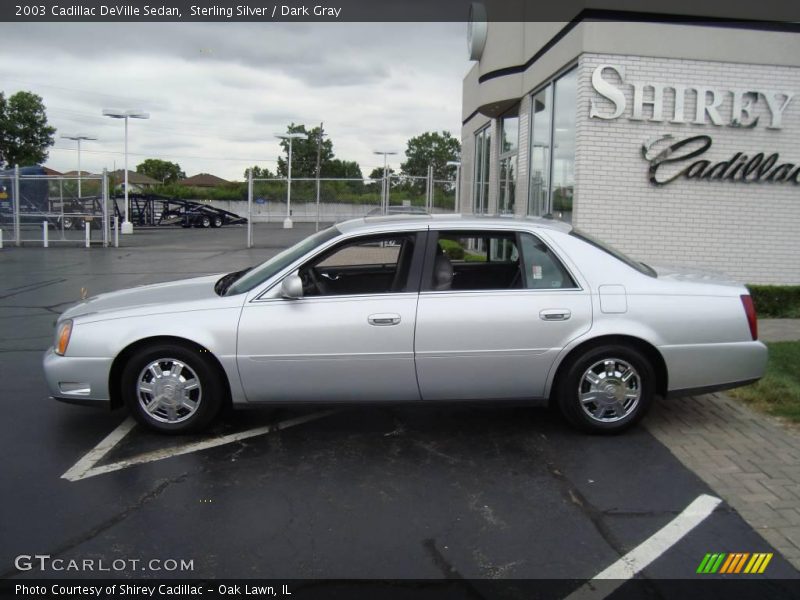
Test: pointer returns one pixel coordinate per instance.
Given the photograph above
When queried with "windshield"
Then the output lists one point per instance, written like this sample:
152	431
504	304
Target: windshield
280	261
639	266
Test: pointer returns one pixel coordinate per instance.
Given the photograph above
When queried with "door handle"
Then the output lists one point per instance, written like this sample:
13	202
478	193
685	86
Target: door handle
382	319
555	314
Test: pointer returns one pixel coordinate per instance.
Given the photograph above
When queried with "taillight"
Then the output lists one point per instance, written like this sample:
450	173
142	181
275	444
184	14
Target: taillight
750	311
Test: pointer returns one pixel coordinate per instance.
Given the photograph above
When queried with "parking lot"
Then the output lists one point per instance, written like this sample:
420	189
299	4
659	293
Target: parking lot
448	492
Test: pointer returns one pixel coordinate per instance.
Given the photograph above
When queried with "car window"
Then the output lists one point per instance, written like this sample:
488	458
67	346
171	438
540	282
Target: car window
542	268
605	247
475	261
274	265
367	265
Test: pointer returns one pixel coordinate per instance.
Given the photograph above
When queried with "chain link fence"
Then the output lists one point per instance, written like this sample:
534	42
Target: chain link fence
327	200
36	208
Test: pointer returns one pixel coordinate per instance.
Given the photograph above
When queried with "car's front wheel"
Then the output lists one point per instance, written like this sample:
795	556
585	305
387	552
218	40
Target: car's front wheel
172	388
606	389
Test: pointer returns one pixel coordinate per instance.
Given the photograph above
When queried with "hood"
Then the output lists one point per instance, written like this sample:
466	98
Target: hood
184	290
690	274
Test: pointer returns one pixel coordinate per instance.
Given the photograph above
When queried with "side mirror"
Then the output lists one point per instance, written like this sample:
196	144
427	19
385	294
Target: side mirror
292	287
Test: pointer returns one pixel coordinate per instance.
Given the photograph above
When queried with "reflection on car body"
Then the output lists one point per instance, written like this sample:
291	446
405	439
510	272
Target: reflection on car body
413	309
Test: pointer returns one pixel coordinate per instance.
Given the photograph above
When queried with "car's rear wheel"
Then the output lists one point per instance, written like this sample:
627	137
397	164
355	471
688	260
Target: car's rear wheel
217	222
172	388
204	222
606	389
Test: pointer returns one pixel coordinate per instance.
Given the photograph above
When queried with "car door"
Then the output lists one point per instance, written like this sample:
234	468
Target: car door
495	309
350	338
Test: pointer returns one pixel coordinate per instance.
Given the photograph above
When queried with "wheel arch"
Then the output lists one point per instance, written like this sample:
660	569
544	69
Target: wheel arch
118	365
646	348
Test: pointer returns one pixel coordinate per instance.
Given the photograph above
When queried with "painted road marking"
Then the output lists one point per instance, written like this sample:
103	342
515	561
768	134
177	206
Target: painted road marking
605	582
91	458
86	466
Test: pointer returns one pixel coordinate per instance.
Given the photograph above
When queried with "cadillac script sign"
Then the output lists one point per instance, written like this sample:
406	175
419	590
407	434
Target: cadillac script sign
689	158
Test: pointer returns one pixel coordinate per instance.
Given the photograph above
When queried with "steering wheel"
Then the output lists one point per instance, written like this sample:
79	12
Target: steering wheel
315	280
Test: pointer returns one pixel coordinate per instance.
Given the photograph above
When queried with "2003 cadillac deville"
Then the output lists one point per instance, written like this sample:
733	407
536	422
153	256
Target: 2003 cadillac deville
413	308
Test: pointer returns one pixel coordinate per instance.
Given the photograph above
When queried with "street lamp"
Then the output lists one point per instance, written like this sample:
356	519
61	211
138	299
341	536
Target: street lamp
385	194
287	222
78	137
457	165
127	226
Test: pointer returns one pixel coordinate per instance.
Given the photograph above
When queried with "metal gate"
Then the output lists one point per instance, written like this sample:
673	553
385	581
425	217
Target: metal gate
36	208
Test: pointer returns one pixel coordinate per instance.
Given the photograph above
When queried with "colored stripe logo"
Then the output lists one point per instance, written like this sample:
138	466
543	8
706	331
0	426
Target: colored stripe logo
734	563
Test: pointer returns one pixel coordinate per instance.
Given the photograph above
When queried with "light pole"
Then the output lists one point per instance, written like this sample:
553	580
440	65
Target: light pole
127	226
78	137
457	165
319	156
287	222
385	194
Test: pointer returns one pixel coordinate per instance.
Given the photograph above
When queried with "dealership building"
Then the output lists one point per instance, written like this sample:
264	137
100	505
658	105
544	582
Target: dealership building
677	142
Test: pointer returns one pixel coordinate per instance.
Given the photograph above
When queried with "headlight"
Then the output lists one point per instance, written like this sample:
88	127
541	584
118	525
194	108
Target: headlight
62	337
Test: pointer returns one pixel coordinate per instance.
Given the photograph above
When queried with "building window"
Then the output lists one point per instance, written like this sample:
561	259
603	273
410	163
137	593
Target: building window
552	151
480	195
509	132
541	107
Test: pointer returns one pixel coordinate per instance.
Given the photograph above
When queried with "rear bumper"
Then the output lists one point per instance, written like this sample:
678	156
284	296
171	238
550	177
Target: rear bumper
701	368
78	380
709	389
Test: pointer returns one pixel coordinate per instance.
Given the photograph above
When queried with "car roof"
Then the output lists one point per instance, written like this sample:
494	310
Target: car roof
409	221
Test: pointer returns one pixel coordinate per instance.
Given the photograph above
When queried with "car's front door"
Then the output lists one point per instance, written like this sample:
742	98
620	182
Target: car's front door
495	309
349	338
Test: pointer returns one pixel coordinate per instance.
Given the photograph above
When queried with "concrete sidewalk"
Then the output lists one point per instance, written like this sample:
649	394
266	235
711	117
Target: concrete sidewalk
750	459
778	330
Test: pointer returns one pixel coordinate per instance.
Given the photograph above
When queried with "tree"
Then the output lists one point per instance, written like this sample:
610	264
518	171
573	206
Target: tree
162	170
304	153
344	169
377	172
431	148
25	135
259	173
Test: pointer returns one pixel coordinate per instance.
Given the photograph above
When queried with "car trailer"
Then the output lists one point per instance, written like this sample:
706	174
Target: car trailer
152	210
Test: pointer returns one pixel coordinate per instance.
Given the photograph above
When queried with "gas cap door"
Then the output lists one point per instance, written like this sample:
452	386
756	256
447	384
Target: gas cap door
613	299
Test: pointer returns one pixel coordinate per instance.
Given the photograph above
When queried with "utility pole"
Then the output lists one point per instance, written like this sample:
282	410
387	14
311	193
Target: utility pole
319	155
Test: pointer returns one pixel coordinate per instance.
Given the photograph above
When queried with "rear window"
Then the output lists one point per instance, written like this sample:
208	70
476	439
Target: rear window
639	266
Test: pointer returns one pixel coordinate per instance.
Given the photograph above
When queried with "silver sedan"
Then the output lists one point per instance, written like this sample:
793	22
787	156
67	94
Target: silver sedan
413	309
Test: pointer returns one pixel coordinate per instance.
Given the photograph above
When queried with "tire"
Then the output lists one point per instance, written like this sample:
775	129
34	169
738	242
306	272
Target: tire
185	402
217	222
606	389
204	222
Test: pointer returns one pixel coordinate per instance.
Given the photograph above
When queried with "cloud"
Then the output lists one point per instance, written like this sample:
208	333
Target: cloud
217	92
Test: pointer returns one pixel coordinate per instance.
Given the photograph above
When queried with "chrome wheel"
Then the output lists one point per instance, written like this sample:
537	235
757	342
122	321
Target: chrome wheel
168	390
609	390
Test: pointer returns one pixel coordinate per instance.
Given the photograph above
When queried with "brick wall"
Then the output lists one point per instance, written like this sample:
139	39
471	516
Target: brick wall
750	231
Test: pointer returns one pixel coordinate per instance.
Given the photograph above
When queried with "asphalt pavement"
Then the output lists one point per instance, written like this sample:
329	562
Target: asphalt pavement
369	492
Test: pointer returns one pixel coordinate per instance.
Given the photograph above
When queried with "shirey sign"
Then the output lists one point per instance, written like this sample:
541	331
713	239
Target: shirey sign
671	159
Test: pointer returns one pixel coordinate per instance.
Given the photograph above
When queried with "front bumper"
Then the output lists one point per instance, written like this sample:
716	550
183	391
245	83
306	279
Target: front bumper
76	379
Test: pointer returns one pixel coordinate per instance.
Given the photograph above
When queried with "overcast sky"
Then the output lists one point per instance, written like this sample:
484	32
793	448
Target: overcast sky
218	92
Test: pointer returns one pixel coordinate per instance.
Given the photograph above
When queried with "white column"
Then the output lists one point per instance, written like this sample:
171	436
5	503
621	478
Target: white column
127	226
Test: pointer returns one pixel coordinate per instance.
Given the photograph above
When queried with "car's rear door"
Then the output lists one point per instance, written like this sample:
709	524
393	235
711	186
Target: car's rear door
495	329
351	341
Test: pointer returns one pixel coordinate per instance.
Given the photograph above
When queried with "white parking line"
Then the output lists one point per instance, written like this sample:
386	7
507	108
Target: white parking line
91	458
627	567
86	468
